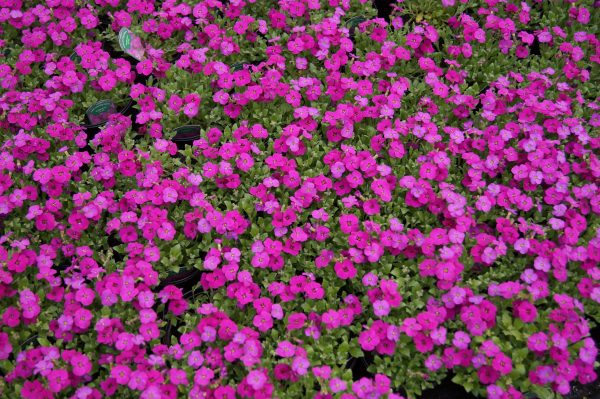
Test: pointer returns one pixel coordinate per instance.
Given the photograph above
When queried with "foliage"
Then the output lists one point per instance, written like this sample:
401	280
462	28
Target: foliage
419	195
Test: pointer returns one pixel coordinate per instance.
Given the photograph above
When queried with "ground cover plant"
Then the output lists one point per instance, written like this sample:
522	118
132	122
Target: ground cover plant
298	198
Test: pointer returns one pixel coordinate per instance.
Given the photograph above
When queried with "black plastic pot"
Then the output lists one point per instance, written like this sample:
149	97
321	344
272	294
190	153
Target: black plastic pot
447	390
60	267
534	48
23	346
360	367
169	329
33	339
113	241
238	66
29	341
97	116
75	58
104	22
172	328
186	135
353	23
185	279
384	8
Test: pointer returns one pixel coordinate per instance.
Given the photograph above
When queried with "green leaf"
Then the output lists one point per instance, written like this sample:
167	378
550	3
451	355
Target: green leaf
356	352
518	371
175	251
543	392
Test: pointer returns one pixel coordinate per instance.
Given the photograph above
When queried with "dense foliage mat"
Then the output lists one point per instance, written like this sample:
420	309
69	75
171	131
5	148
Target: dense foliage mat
298	198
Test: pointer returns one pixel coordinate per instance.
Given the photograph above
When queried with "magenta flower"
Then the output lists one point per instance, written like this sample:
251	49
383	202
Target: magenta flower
345	270
58	380
81	365
368	340
203	376
256	379
502	363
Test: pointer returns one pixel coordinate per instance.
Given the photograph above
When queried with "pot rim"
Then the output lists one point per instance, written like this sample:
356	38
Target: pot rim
195	136
122	111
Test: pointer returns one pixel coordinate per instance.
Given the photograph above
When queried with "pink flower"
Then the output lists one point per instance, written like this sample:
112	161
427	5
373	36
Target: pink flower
195	359
175	102
337	385
433	362
526	311
146	299
85	296
285	349
260	260
58	380
203	376
502	363
296	321
368	340
81	364
82	318
345	270
45	222
263	322
488	375
144	67
428	171
300	365
381	308
382	188
128	234
166	231
138	380
5	346
178	376
461	340
107	81
256	379
413	40
348	223
538	342
170	195
314	291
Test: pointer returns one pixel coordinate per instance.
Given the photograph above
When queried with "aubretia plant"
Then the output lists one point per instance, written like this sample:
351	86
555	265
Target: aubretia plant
358	210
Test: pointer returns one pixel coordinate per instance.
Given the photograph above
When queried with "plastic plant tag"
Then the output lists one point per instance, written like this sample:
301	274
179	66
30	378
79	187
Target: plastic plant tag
191	132
131	44
238	66
99	112
75	58
186	135
355	21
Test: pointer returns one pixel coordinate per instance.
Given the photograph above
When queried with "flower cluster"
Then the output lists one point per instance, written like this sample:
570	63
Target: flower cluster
298	198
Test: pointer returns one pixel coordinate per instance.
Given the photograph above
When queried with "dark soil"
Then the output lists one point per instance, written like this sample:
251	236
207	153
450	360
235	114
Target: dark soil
447	390
590	391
